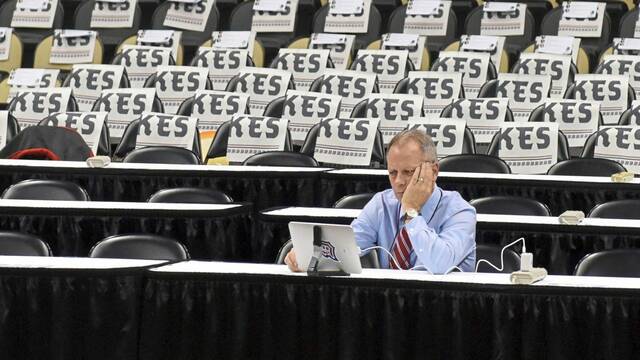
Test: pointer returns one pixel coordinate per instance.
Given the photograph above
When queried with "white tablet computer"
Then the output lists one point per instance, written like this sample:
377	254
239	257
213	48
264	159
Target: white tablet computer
337	242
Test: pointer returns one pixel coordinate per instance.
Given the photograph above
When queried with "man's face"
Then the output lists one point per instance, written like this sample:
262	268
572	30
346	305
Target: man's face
402	160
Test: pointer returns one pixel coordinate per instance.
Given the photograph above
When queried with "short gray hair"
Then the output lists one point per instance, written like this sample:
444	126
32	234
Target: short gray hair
420	137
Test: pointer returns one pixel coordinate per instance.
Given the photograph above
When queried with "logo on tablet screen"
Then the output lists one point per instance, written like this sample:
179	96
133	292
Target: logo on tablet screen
329	251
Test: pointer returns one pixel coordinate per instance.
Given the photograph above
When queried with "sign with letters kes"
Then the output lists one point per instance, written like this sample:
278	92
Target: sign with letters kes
4	123
262	85
223	64
142	61
188	16
108	14
438	89
503	18
447	134
174	84
348	16
31	106
72	46
625	65
239	40
87	124
414	44
5	42
305	109
484	44
626	46
393	110
212	108
611	91
621	144
473	65
169	39
390	66
346	141
305	65
528	148
24	78
558	45
429	18
352	85
576	119
123	106
339	45
581	19
166	130
525	92
274	15
87	82
250	135
556	66
484	116
37	14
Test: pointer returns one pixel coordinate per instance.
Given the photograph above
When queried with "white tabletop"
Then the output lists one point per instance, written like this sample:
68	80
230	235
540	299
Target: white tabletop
110	205
399	275
72	262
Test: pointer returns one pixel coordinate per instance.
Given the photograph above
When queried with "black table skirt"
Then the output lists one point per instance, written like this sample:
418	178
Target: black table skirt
230	316
69	314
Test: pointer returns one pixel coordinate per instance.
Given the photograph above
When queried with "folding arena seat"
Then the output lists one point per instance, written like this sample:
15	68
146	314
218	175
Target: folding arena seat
139	246
15	243
14	57
141	63
32	105
262	86
373	32
83	123
162	155
96	15
475	163
495	255
560	67
177	50
615	143
389	67
24	25
41	189
13	128
438	89
223	64
353	201
46	48
586	167
631	116
628	23
281	158
617	209
88	81
476	68
305	65
525	92
510	205
615	262
501	62
452	137
419	54
352	86
174	84
613	93
190	195
256	53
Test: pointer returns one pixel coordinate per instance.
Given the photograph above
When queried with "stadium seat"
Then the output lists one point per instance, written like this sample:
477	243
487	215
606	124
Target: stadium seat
582	62
38	189
104	145
14	61
43	52
190	195
509	205
617	209
629	117
281	158
47	143
426	56
184	94
572	71
475	163
374	29
505	61
13	128
563	147
29	36
258	56
162	155
71	106
189	38
14	243
492	253
132	40
156	107
139	246
628	23
586	167
617	262
305	42
355	201
128	141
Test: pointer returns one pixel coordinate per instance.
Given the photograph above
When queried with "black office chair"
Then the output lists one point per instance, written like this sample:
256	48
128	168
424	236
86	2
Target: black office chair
190	195
30	37
104	144
491	253
434	43
139	246
617	209
281	158
20	244
476	163
617	262
355	201
586	167
361	41
111	37
162	155
369	260
189	38
38	189
509	205
130	135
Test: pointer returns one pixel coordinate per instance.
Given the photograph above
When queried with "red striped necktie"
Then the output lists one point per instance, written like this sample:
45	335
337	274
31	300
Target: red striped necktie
401	250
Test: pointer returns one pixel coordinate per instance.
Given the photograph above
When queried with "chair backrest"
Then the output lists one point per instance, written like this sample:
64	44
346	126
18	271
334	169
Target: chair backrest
368	261
30	36
492	253
586	167
133	40
571	94
617	262
162	155
189	38
43	52
630	116
513	44
14	61
563	146
104	144
20	244
362	40
110	36
477	163
241	19
257	60
128	141
628	23
355	201
434	43
281	158
509	205
39	189
139	246
617	209
13	128
190	195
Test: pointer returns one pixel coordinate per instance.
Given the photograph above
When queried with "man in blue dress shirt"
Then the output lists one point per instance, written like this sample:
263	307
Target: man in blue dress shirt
421	225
